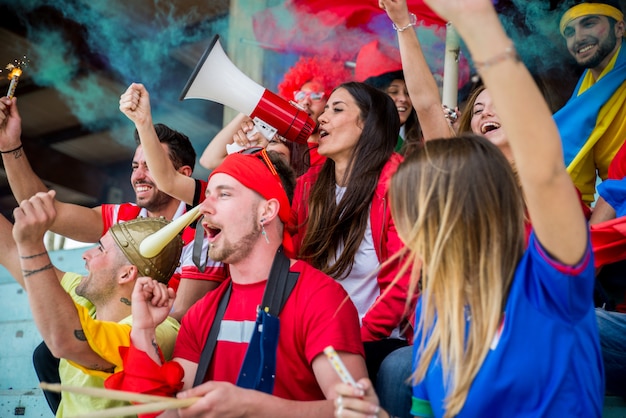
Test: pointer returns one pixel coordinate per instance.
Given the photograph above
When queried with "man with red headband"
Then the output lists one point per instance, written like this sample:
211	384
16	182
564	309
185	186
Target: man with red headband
592	123
251	369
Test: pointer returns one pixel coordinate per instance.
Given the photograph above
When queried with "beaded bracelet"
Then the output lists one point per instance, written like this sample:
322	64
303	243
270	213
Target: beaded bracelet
509	53
412	22
12	150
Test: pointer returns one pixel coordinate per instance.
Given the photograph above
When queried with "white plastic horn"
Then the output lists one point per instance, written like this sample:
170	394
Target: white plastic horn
451	68
154	244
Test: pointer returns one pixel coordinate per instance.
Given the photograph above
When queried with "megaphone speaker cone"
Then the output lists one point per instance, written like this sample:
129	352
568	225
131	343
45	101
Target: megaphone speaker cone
217	79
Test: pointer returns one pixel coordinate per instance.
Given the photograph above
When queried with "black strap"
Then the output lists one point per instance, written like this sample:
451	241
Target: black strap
209	346
197	253
198	238
280	283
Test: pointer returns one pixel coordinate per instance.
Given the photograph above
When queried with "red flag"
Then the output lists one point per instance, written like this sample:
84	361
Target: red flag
357	13
338	29
332	28
608	240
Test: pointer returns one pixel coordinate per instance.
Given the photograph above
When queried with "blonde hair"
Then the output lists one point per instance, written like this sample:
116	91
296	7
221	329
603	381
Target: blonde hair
457	208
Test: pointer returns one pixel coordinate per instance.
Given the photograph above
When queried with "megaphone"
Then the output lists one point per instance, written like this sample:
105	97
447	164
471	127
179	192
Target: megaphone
217	79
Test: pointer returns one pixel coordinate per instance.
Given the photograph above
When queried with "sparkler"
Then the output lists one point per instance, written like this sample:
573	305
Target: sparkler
15	71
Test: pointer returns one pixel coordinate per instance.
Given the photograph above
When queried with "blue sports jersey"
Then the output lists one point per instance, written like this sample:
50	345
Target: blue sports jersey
545	360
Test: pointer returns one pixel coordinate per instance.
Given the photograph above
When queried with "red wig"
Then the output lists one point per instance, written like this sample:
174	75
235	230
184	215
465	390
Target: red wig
326	71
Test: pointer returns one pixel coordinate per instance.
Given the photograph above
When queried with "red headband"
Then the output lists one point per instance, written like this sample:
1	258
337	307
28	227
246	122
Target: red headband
261	177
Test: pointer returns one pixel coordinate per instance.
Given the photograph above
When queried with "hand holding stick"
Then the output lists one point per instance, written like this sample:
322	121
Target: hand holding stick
15	71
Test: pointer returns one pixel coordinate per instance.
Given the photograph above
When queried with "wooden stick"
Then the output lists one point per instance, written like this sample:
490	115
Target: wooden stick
121	411
118	395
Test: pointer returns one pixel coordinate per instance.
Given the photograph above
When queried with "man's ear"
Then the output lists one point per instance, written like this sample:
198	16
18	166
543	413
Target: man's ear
619	28
186	170
269	210
127	273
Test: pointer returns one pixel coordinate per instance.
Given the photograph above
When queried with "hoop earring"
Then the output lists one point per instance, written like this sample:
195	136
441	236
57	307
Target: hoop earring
263	231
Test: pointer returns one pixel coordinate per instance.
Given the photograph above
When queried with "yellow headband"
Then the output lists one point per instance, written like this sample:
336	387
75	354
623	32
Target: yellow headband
585	9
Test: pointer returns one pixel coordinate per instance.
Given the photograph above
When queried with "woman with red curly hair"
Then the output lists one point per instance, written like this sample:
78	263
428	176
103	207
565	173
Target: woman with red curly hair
309	84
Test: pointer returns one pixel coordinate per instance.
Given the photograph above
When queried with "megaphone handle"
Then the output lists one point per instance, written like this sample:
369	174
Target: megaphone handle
261	127
235	147
264	128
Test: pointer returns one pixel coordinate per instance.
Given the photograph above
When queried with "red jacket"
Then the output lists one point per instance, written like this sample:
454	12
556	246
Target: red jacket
389	311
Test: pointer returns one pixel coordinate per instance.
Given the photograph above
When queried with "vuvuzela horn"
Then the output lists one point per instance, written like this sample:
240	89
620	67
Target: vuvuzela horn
153	244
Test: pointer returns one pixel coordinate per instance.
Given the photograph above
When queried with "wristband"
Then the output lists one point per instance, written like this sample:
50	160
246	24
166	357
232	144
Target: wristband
412	22
509	53
12	150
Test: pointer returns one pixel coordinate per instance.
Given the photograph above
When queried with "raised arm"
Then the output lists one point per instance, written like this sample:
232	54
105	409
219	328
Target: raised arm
8	251
419	79
215	152
135	104
52	307
232	133
552	202
25	183
23	180
151	303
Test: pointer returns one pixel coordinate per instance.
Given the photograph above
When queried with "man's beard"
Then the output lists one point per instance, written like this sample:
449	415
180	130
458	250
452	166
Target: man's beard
81	289
156	202
604	49
85	290
233	252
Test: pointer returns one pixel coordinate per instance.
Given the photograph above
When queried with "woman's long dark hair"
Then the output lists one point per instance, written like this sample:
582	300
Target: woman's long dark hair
331	225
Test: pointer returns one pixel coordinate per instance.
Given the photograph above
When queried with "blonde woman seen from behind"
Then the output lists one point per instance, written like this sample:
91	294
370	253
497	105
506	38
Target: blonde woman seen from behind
502	329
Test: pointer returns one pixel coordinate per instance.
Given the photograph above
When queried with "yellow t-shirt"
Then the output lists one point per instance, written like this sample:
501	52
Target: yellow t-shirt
104	338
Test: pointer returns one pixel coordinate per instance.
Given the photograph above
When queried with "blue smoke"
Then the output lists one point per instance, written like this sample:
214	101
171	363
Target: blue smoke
118	40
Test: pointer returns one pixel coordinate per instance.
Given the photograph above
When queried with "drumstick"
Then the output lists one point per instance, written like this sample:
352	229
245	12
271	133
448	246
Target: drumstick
145	408
152	403
118	395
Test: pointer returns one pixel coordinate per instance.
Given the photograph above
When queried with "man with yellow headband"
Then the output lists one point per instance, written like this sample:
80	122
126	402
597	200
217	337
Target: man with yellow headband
85	320
592	123
245	215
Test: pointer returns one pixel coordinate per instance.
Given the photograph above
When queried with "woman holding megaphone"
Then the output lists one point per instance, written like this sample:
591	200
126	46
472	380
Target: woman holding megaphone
341	220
